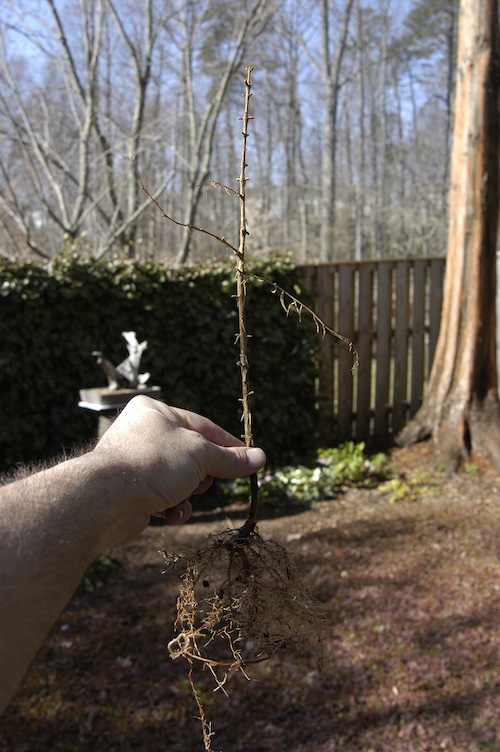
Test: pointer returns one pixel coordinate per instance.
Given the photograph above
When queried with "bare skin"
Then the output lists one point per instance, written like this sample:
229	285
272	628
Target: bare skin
54	523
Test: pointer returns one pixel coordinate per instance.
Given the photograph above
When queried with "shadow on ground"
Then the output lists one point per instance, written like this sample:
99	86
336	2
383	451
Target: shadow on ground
410	594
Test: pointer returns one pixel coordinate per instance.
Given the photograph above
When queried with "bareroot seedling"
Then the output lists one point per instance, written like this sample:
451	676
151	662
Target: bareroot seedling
242	597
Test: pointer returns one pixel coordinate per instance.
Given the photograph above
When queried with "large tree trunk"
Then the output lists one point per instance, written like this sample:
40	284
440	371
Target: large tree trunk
461	408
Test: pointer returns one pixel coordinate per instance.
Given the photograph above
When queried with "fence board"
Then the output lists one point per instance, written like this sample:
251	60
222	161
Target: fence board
401	328
364	346
383	351
420	269
346	328
325	291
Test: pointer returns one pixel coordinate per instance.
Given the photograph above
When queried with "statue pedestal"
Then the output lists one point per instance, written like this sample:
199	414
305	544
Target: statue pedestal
107	403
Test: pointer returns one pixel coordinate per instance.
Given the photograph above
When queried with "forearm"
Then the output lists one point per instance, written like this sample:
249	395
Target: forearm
51	530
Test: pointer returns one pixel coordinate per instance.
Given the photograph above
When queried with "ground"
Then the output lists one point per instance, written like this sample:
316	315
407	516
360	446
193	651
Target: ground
410	591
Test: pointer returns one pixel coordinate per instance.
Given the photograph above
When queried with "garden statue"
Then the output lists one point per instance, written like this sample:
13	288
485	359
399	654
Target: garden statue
124	382
126	375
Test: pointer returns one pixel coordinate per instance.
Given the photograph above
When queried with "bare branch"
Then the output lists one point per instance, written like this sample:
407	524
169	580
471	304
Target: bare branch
213	235
290	304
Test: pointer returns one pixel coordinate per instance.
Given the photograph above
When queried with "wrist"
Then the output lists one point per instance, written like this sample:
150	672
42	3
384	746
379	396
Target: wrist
115	506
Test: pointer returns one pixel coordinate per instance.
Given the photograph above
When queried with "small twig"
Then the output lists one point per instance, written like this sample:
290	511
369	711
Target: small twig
290	303
219	238
294	303
220	186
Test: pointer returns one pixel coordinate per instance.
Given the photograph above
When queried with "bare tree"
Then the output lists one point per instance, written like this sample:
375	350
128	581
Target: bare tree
72	150
430	35
244	24
461	409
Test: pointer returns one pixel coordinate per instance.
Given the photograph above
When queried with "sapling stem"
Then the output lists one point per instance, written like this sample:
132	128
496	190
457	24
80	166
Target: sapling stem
241	275
242	336
288	301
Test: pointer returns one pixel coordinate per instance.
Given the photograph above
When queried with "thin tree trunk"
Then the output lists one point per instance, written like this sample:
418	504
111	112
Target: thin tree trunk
331	80
361	176
381	198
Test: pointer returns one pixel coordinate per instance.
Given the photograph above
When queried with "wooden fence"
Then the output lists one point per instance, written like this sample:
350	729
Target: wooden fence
391	311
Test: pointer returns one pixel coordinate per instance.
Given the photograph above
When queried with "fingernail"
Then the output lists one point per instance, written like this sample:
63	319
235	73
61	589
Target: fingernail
181	512
256	457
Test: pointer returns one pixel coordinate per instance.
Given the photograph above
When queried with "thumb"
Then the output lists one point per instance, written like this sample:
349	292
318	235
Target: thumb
236	462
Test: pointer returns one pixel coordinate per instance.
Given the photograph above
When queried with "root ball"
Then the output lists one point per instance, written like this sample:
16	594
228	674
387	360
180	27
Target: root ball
241	600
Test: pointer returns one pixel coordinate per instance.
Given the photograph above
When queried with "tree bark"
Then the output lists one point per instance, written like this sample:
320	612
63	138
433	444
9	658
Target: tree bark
461	410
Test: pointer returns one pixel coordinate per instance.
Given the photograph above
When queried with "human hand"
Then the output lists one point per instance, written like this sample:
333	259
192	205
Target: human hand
155	457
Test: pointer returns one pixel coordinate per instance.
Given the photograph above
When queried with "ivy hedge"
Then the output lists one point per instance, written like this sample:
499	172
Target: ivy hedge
51	319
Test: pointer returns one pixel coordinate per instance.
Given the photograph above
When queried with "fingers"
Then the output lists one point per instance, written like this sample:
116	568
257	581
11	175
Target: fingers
204	485
207	428
194	422
178	514
229	458
235	462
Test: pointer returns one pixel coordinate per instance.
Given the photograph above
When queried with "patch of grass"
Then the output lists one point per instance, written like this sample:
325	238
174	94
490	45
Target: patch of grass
412	488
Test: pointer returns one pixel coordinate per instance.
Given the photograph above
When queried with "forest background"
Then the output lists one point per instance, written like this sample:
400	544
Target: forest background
349	149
